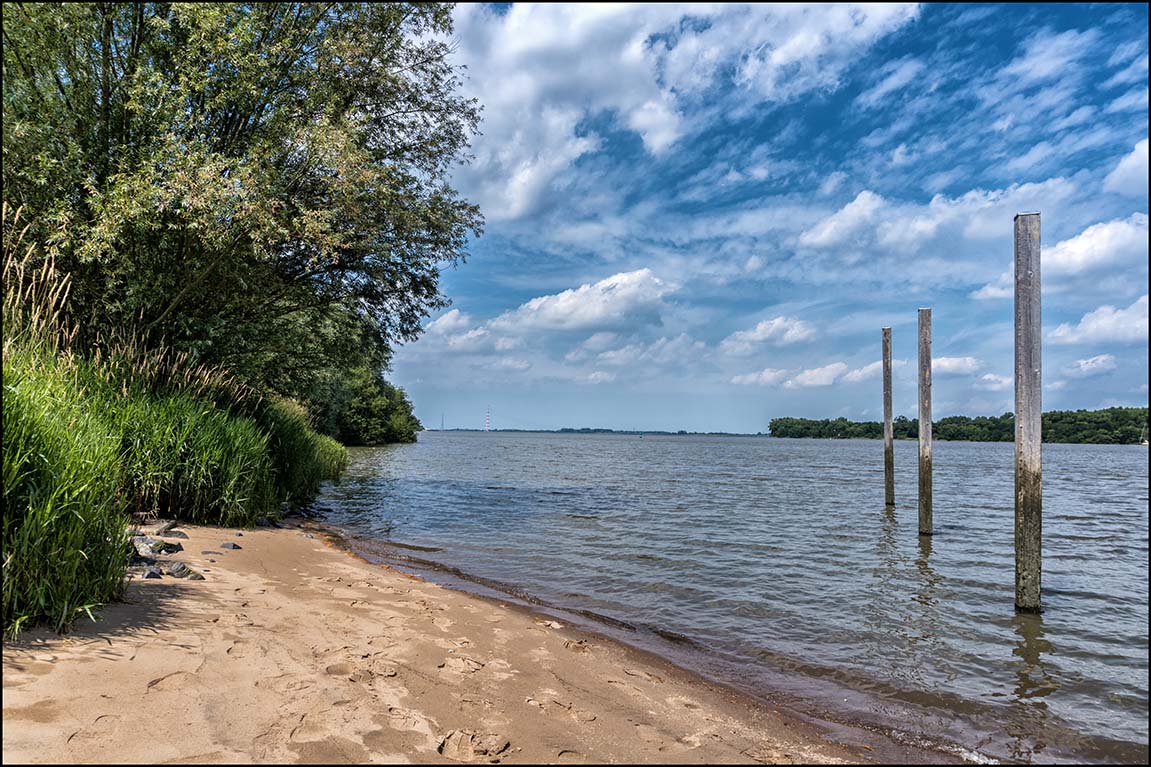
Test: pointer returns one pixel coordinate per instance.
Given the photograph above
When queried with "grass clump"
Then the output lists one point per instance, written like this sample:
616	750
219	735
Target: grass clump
92	435
65	533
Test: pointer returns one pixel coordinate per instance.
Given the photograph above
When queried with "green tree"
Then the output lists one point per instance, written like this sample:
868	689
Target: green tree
262	184
359	407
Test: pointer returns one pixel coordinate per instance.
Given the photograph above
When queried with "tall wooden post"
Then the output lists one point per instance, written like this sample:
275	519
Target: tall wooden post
888	431
925	422
1028	416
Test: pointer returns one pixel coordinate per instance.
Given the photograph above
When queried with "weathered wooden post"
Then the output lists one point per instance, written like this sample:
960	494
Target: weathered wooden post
925	422
1028	416
888	432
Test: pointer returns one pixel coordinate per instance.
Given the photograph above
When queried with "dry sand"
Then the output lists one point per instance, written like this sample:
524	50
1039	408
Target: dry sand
292	650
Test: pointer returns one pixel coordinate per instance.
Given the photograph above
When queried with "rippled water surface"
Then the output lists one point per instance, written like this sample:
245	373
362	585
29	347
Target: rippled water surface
777	561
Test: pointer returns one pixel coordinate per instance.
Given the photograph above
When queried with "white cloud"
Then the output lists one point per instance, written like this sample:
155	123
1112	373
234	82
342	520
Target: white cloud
597	377
1130	175
993	382
842	225
896	75
1134	100
1106	324
1029	159
955	365
1046	56
508	363
449	322
873	370
832	182
680	351
1121	240
1092	366
765	377
543	70
625	297
824	376
778	331
1107	244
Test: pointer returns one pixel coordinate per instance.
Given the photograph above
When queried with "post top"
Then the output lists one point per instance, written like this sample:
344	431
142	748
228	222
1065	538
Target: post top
1032	213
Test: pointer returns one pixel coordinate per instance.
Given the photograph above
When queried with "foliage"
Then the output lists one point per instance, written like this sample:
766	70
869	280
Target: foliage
123	428
1116	425
263	185
361	408
65	542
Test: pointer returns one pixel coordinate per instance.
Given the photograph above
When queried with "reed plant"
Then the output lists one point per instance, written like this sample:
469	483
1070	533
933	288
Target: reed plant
122	427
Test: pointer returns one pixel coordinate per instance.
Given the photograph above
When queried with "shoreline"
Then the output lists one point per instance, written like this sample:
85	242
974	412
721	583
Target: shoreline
295	650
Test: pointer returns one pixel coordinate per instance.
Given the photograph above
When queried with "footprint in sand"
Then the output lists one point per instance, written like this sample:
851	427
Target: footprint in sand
643	675
568	756
679	700
555	706
99	729
462	664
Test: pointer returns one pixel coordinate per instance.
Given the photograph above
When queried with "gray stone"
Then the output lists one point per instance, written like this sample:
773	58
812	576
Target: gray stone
178	570
230	545
239	535
165	526
151	572
209	551
175	534
195	576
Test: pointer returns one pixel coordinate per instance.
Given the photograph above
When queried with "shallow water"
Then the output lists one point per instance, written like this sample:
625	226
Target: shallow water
776	567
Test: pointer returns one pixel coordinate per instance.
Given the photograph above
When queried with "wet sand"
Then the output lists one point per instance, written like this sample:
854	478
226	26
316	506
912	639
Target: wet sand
293	650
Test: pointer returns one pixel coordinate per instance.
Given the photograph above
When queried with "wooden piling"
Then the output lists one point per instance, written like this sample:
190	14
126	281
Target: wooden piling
1028	416
925	525
888	431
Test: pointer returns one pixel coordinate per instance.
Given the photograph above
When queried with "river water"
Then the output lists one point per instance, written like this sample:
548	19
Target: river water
773	565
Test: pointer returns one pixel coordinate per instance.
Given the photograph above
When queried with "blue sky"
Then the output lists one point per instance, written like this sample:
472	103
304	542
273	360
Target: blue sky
699	217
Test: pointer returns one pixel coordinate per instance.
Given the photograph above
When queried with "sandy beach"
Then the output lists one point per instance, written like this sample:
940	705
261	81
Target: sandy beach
294	650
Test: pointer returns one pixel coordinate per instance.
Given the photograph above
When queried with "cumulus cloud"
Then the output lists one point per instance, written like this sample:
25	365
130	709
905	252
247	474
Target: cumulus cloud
1106	244
627	297
955	365
449	322
1129	176
1121	240
778	331
1091	367
994	382
824	376
841	226
765	377
873	370
1106	325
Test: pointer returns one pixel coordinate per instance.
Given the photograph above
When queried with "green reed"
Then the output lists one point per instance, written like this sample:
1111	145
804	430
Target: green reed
92	435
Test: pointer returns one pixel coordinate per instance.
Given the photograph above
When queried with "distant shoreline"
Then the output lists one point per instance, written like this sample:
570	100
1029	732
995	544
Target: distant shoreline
1109	426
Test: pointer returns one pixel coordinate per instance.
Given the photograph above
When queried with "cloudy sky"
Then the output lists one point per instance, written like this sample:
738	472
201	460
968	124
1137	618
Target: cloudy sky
699	217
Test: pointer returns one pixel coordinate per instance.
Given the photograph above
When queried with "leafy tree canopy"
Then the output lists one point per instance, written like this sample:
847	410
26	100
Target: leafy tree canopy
262	184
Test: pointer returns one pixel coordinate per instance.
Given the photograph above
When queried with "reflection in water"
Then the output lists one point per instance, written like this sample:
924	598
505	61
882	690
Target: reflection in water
1028	718
929	579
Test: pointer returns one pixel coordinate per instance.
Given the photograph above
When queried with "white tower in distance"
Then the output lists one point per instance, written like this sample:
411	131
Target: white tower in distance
488	419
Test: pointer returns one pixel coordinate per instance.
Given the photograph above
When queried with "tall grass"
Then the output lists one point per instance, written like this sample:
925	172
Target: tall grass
90	435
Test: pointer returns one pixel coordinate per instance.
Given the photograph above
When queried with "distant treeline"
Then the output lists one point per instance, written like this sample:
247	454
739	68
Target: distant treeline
1115	425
